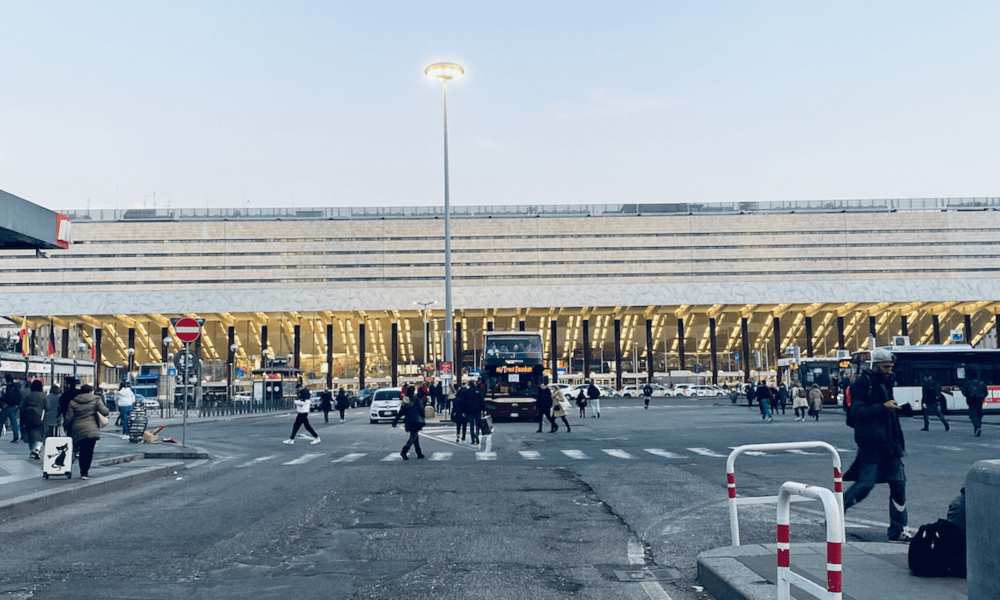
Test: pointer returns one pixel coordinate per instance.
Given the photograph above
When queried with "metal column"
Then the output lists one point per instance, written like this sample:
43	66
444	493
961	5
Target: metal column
809	337
395	353
586	349
618	354
715	356
744	329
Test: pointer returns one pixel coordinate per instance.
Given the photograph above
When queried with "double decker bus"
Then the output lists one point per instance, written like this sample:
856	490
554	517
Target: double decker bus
511	372
950	365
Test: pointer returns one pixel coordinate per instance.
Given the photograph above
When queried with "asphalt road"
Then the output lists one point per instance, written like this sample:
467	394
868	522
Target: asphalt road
523	515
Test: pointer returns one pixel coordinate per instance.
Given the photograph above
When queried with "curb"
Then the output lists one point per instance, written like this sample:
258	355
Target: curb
30	504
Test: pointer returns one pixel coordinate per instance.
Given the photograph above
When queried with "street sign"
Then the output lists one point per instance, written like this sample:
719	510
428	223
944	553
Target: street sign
171	372
736	356
186	360
187	330
957	335
446	367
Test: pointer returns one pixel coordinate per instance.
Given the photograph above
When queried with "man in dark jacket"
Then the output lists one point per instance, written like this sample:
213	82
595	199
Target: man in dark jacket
544	404
880	442
412	412
9	404
595	400
931	396
975	392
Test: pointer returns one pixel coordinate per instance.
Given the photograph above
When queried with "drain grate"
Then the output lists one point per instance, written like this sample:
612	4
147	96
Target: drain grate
647	574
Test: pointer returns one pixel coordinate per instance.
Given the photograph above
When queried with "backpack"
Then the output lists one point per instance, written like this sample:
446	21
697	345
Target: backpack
30	417
938	550
849	414
977	389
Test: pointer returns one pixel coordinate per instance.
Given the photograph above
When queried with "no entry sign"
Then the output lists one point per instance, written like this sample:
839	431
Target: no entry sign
187	330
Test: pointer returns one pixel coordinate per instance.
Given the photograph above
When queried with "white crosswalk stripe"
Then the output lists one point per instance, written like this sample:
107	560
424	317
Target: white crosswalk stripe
577	454
618	453
257	461
486	455
353	456
302	459
441	456
804	452
706	452
664	453
530	454
392	457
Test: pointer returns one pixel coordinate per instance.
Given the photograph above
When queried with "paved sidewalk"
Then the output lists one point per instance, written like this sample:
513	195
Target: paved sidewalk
872	571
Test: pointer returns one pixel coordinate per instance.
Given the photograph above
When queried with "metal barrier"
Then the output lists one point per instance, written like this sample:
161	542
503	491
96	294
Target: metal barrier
835	536
734	521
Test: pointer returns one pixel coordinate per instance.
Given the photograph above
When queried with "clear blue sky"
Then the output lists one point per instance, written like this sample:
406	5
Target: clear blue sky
228	103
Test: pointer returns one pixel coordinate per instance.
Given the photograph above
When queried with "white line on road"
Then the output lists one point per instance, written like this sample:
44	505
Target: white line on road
706	452
636	556
797	451
257	460
353	456
441	456
486	455
530	454
577	454
302	459
618	453
664	453
950	448
392	457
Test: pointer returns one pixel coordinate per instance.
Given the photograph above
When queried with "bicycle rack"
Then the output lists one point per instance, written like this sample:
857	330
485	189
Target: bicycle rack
734	502
835	537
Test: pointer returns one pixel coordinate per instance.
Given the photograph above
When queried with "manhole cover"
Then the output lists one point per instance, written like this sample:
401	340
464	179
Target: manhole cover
647	574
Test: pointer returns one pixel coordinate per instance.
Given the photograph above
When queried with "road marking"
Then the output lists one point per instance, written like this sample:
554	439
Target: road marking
950	448
664	453
618	453
257	460
706	452
302	459
441	456
577	454
637	556
530	454
353	456
392	457
797	451
486	455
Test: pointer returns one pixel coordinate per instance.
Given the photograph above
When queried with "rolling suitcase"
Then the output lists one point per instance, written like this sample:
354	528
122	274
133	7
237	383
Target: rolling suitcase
57	457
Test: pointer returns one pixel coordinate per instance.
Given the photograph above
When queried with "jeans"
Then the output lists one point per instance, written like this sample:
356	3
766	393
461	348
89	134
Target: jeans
595	407
934	408
976	414
10	413
867	475
124	412
765	409
414	440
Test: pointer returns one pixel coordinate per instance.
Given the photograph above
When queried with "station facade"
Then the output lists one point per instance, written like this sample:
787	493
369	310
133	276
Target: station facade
348	293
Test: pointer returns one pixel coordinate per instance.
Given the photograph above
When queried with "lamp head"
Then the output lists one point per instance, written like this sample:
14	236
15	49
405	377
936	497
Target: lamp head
444	71
167	341
234	347
130	351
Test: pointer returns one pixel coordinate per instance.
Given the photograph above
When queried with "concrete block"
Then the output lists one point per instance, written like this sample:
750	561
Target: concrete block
982	488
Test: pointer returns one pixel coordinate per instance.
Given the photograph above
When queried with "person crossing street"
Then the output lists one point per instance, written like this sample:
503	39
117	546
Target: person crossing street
302	417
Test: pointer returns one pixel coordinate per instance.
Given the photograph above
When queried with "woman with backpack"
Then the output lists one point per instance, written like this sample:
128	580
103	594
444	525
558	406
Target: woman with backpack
815	401
799	403
33	419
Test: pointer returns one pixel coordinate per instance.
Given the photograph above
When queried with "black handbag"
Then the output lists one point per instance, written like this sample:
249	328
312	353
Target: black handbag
486	425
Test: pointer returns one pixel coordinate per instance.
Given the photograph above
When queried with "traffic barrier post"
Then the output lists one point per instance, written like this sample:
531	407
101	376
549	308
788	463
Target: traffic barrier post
734	501
835	537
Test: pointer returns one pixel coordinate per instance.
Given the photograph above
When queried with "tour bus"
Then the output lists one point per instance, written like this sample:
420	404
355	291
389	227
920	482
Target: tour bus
512	371
950	365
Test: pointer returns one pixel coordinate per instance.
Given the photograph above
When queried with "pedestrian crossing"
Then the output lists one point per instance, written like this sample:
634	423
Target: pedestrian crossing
484	453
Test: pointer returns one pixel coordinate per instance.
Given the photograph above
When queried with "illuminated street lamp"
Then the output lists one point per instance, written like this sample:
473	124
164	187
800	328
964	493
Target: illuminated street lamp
446	71
424	305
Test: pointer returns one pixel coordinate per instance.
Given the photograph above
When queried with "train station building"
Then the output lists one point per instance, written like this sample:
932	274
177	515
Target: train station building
347	293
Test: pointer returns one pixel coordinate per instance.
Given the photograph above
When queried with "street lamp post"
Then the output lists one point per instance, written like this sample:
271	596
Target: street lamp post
232	373
424	306
131	359
445	71
168	399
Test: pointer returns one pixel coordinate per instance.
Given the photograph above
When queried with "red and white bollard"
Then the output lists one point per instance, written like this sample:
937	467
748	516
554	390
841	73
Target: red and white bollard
835	537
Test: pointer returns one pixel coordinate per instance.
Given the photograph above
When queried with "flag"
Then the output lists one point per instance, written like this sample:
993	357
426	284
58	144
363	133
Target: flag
52	339
23	333
93	353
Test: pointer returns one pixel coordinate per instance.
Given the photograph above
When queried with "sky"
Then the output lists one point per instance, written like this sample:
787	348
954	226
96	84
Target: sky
242	103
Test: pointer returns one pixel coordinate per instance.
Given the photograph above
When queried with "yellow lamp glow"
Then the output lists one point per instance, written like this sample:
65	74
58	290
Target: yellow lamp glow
444	70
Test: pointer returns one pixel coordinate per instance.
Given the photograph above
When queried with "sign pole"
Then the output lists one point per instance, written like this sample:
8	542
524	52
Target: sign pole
187	380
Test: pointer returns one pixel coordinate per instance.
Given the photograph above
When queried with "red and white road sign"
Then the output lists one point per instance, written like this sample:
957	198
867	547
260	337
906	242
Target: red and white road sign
187	330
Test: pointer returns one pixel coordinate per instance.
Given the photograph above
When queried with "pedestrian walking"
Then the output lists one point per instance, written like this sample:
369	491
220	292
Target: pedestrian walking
544	405
52	418
581	402
343	403
10	404
475	406
800	402
80	422
764	400
411	410
560	408
782	397
125	399
773	400
975	392
815	401
458	410
930	392
33	419
647	393
326	405
875	417
594	393
302	417
751	394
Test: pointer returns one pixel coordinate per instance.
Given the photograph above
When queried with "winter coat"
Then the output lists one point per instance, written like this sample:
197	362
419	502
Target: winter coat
557	399
80	421
412	412
799	399
593	392
52	410
876	428
461	404
326	401
816	400
36	402
342	402
544	402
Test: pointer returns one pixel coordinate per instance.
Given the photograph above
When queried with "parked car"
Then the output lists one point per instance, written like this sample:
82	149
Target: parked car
149	403
385	405
706	391
314	402
606	392
242	398
636	390
362	398
563	387
683	389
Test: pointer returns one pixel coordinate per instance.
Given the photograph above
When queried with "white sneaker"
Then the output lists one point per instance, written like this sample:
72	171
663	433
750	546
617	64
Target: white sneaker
289	442
315	440
125	437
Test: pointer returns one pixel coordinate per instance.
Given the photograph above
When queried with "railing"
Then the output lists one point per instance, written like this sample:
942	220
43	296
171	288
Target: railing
524	211
734	502
835	538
